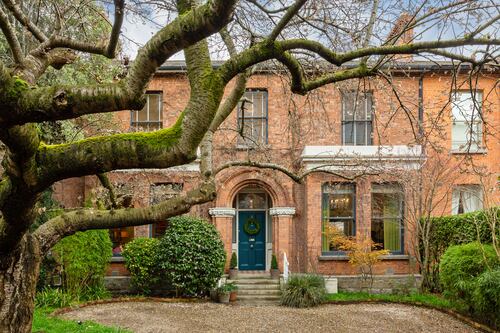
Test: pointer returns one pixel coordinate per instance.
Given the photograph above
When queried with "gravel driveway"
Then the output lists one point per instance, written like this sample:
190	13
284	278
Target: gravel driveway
149	317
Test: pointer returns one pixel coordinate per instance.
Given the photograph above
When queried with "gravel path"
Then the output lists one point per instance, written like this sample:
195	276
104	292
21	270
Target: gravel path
152	317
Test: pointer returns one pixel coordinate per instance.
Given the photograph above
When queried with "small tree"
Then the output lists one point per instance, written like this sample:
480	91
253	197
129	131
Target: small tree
363	253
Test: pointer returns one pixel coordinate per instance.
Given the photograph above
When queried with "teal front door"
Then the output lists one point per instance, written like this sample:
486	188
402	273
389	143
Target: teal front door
252	240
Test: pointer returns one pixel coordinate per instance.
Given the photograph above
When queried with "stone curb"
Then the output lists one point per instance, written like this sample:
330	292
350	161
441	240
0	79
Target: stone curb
126	299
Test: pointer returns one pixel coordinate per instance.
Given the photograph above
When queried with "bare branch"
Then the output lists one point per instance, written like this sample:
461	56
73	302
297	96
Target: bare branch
25	21
290	13
10	36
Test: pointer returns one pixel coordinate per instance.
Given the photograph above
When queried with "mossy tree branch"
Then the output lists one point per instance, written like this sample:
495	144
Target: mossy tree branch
85	219
63	102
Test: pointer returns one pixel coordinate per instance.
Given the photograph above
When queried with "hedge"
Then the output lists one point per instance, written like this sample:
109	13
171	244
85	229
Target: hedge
454	230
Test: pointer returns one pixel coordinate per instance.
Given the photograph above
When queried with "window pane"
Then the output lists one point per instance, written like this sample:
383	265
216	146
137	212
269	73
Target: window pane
154	107
466	106
348	133
258	104
338	212
340	205
387	227
251	201
348	106
467	198
120	237
158	229
143	114
360	133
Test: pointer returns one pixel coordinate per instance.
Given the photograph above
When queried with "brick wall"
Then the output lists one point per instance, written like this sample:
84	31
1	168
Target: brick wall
297	121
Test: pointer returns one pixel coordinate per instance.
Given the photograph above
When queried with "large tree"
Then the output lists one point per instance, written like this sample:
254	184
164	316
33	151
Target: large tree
350	39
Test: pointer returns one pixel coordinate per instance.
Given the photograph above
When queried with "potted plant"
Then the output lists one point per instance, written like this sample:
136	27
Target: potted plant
233	267
233	291
224	292
275	272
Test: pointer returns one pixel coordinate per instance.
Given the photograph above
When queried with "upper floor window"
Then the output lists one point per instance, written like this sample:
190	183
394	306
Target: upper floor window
467	124
357	118
252	118
338	212
387	217
150	117
466	198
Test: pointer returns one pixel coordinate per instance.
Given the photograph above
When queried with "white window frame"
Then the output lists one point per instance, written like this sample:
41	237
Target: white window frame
466	116
471	195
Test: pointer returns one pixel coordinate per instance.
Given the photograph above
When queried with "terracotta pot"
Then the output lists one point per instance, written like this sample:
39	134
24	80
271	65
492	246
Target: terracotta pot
275	274
224	298
233	274
233	296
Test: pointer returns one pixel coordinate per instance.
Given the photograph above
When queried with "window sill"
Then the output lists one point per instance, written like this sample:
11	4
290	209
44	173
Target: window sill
346	258
471	151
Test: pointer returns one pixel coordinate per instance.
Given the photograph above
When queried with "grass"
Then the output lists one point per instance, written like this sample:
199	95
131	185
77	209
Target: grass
430	300
43	322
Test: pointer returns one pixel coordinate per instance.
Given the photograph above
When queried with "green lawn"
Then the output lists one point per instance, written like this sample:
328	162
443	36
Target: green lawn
431	300
43	322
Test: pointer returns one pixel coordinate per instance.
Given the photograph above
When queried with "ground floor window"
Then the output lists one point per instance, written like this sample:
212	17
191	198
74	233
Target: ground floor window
158	193
466	198
338	212
387	217
120	237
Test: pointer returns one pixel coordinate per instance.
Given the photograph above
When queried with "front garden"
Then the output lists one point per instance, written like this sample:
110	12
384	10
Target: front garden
189	261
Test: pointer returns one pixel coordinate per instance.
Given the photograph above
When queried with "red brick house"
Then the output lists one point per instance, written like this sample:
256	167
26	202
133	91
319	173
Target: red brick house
366	155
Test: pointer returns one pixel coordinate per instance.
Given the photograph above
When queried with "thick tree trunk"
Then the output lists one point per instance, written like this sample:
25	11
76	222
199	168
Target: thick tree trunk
18	276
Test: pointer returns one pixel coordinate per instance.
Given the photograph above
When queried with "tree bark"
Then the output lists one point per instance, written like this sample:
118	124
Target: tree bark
18	276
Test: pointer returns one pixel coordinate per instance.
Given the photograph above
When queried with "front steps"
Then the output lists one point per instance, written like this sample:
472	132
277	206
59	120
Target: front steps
257	289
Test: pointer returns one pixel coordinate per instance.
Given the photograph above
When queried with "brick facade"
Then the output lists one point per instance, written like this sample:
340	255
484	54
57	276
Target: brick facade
296	122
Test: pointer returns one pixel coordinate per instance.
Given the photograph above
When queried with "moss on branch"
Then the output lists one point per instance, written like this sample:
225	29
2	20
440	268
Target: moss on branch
94	155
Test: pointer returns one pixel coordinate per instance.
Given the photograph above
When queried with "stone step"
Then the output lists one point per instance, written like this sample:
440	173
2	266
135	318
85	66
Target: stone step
256	281
253	276
258	298
264	292
258	303
272	286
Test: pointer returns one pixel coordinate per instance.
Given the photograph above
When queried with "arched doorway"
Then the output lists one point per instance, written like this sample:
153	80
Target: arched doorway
252	229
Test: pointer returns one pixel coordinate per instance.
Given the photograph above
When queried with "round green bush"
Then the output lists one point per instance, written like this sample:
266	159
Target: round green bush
461	265
140	260
486	298
84	258
191	255
304	290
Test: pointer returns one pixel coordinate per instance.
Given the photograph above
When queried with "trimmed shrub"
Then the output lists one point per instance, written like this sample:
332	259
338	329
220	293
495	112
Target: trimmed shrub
84	258
486	297
461	265
274	262
470	274
140	259
233	264
454	230
191	256
303	291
